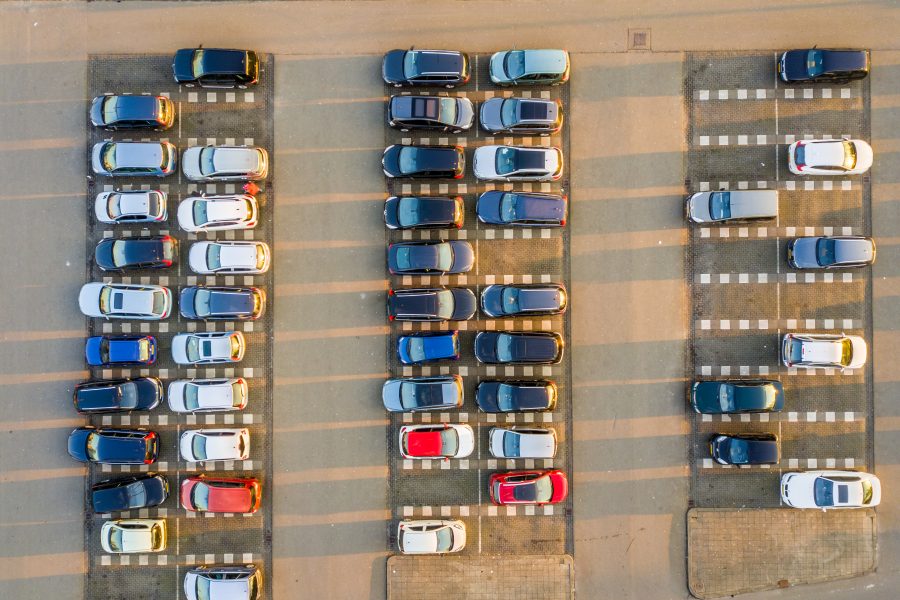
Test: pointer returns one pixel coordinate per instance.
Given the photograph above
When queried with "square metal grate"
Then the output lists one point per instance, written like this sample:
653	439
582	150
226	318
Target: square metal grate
639	39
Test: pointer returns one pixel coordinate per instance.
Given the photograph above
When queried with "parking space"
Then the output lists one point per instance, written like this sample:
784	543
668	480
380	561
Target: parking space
220	117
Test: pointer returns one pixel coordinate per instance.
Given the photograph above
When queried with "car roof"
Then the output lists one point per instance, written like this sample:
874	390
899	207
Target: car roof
136	107
826	153
845	60
235	160
224	61
545	61
436	62
536	110
821	351
134	203
138	154
528	159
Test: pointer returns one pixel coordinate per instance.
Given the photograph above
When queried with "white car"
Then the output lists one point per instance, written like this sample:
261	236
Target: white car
130	536
131	206
522	442
218	213
829	157
443	440
830	489
209	258
431	536
811	350
125	301
225	163
518	163
208	347
133	159
198	445
207	395
223	582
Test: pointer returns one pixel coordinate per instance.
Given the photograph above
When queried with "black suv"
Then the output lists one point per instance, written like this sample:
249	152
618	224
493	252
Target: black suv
448	68
131	254
821	65
216	68
437	304
132	112
424	161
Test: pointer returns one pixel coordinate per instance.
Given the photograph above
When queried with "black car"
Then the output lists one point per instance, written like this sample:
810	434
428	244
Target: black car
430	258
432	113
435	304
822	65
506	347
114	446
132	112
216	68
129	493
433	162
221	303
737	396
423	212
523	300
136	253
529	116
745	449
422	393
516	396
522	209
448	68
118	395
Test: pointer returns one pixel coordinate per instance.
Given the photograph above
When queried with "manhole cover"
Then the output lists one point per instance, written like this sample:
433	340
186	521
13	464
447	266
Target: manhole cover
639	39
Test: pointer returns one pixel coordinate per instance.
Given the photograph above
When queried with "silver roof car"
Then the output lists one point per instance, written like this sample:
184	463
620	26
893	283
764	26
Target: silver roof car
225	163
708	207
130	206
133	158
529	67
225	582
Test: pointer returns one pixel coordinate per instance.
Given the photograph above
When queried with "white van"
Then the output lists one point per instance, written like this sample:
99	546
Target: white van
739	205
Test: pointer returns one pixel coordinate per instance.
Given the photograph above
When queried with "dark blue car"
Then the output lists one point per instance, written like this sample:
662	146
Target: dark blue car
114	446
433	162
217	303
421	212
118	395
216	67
506	347
120	350
438	304
136	253
447	68
129	493
745	449
737	396
523	300
418	348
516	396
823	65
522	209
430	258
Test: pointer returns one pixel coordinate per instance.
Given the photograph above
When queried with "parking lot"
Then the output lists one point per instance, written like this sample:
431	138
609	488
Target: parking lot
458	488
221	117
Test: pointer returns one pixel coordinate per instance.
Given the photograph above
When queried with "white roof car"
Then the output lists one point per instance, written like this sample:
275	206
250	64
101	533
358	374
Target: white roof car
199	445
131	206
829	157
225	163
224	582
830	489
216	213
441	440
129	536
208	258
811	350
431	536
125	301
518	163
208	347
737	205
522	442
207	395
133	159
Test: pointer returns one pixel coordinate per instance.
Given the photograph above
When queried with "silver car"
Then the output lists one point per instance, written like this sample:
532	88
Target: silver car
522	442
530	67
225	163
528	116
131	206
225	582
133	159
739	205
208	395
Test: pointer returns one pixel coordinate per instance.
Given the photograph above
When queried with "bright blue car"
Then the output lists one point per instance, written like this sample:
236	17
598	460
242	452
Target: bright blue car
120	350
418	348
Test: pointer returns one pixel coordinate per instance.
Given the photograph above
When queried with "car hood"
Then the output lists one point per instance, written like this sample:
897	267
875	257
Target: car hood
89	298
804	252
491	112
465	113
181	66
698	207
486	346
390	395
497	72
795	64
392	66
464	304
463	256
77	444
864	155
97	110
484	162
390	160
190	165
860	352
92	350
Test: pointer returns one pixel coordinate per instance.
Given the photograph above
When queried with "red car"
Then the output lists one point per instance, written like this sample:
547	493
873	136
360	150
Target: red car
529	487
221	495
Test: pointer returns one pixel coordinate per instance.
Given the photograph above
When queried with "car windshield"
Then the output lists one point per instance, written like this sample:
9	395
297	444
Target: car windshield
207	165
505	347
203	585
235	346
738	451
93	446
163	156
237	394
200	214
539	490
866	491
720	205
825	252
213	257
115	539
449	442
508	203
105	296
508	112
119	256
849	155
192	349
505	160
511	444
823	492
137	494
726	397
416	348
800	155
260	256
448	110
409	211
445	304
200	496
197	61
159	303
514	64
815	63
198	447
795	351
411	64
129	395
505	397
110	106
444	539
510	300
109	157
846	351
407	160
191	397
201	302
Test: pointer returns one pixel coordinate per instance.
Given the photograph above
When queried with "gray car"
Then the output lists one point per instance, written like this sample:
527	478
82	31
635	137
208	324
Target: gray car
528	116
830	252
530	67
717	207
435	113
133	159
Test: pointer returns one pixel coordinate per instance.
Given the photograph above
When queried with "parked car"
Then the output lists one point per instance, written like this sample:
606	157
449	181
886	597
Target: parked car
220	495
222	303
423	212
523	116
419	348
118	395
739	205
530	67
114	446
516	396
225	163
113	254
517	163
829	157
438	304
523	209
131	206
229	582
208	347
434	162
133	536
129	493
508	347
208	395
441	440
522	442
811	350
431	536
448	68
745	449
120	350
217	213
133	159
412	394
198	445
823	65
216	68
529	487
433	113
114	112
830	252
430	258
737	396
125	301
220	257
830	489
500	300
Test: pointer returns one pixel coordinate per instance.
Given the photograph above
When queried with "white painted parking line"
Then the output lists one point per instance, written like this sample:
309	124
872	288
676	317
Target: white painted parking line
777	324
789	185
725	278
786	93
758	139
767	232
